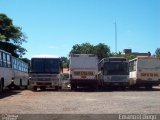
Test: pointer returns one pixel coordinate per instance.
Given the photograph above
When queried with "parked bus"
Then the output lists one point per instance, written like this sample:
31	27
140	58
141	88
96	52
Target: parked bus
10	75
83	71
144	71
20	70
46	72
113	71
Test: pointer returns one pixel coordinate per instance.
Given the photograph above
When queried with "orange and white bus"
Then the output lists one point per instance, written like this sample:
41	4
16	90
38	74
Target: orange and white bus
83	71
144	71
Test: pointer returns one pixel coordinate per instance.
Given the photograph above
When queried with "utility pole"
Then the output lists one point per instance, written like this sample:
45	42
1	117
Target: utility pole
115	37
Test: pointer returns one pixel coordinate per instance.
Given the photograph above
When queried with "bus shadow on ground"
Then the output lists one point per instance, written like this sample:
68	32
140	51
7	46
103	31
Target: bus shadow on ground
112	89
8	93
117	89
144	89
140	89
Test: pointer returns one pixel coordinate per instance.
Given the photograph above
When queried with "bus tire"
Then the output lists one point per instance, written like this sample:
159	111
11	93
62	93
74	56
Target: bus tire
26	87
73	87
60	87
20	82
123	88
34	88
96	87
56	88
43	88
1	86
148	87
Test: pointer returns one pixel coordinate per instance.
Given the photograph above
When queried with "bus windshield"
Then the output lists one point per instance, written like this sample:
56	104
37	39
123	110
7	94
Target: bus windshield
45	66
116	68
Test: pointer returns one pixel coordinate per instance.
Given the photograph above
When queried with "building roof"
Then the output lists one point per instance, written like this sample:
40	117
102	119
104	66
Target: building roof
65	71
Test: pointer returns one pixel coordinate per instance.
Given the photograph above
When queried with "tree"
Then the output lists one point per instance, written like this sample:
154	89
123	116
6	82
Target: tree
65	62
26	60
119	54
101	50
157	52
84	48
128	56
11	37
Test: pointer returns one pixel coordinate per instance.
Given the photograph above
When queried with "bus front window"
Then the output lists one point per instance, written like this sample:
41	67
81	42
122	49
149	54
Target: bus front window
116	68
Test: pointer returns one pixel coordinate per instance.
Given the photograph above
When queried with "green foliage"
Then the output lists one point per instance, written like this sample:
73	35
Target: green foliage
65	62
157	52
84	48
11	37
101	50
26	60
117	54
128	56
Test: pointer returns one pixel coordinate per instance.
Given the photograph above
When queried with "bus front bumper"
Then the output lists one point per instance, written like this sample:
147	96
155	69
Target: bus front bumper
115	84
44	83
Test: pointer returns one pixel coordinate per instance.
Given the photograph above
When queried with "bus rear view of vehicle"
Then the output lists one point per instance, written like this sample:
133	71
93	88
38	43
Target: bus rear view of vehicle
145	71
83	71
45	72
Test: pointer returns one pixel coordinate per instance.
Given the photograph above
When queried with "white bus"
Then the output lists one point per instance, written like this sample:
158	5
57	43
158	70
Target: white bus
144	71
46	72
10	76
114	71
83	71
20	70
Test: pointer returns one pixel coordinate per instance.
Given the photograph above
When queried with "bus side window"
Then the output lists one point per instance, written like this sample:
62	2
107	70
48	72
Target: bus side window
8	61
4	60
132	66
0	59
14	63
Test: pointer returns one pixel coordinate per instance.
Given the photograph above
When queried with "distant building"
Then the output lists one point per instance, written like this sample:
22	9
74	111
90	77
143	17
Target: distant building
65	73
129	52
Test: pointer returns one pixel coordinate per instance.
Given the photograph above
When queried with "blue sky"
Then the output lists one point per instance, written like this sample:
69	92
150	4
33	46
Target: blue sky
54	26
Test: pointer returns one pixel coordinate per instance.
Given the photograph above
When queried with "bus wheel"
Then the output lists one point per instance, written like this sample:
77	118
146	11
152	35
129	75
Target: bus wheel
26	87
148	87
34	88
1	86
73	87
43	88
96	87
56	88
123	88
16	87
60	87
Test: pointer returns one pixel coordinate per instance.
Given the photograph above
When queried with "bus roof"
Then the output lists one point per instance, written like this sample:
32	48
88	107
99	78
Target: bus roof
144	57
115	59
45	56
78	55
4	51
